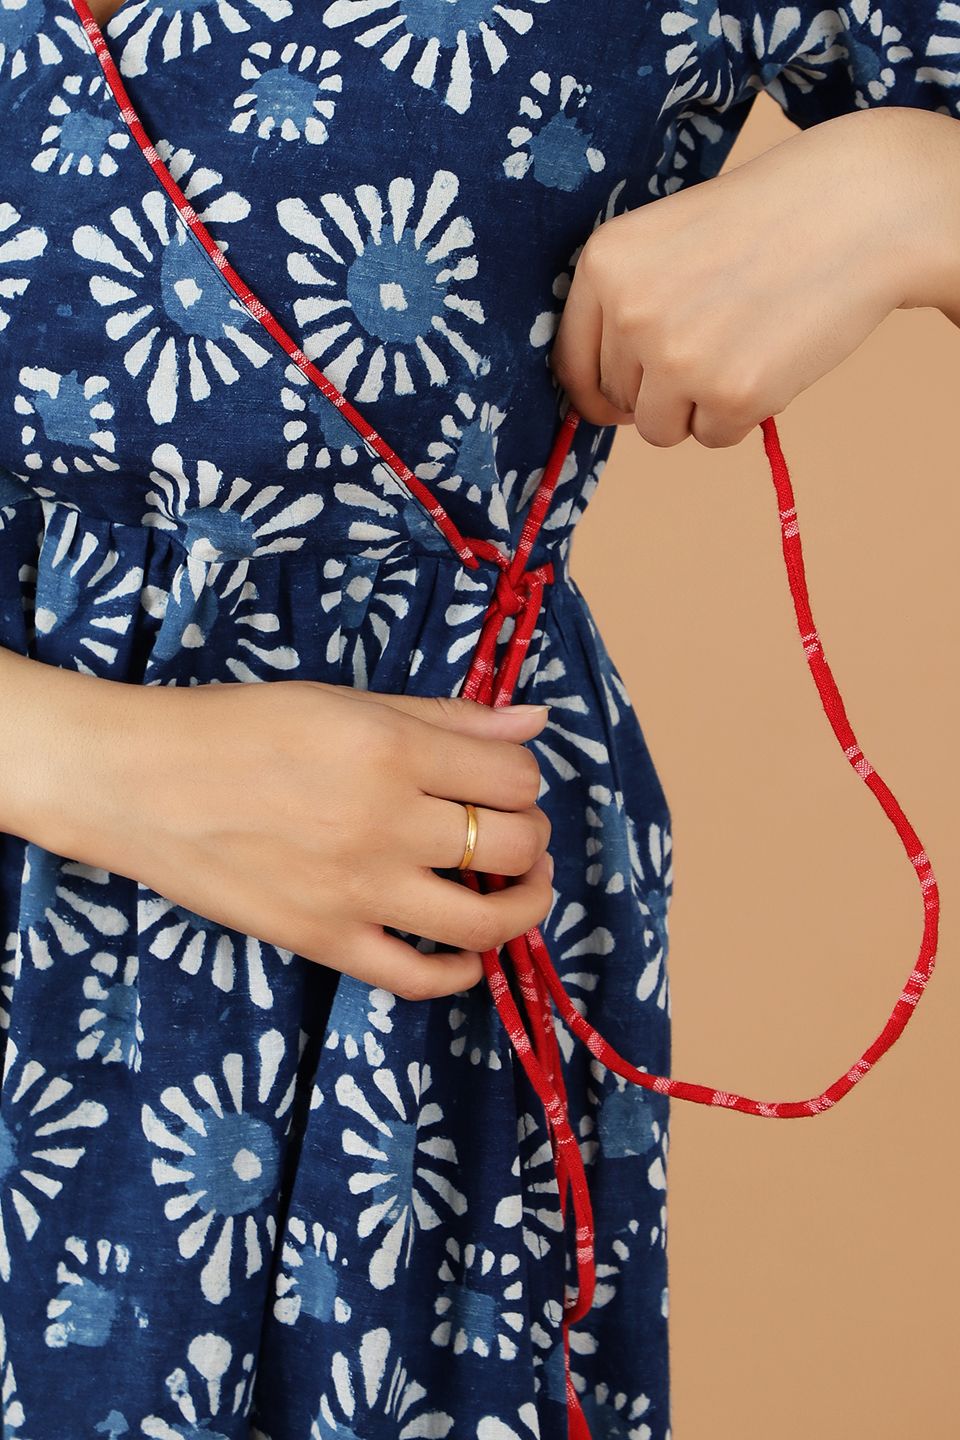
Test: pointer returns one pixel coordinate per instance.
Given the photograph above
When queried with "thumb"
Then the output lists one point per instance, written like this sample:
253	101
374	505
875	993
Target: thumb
467	717
575	357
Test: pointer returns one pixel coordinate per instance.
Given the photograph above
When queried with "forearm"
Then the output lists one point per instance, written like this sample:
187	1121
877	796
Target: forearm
65	744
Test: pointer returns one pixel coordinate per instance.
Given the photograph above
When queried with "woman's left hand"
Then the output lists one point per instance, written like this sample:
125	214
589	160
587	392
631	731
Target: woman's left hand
707	310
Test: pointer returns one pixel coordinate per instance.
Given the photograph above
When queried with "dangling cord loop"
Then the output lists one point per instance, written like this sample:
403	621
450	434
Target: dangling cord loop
519	594
834	708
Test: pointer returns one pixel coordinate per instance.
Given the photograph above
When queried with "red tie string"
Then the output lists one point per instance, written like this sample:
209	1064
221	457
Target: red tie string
518	594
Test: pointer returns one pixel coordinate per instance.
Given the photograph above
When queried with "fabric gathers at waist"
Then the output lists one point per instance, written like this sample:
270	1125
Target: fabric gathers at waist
287	524
214	515
206	598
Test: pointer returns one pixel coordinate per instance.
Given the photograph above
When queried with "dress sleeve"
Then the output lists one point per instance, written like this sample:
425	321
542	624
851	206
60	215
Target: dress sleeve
818	62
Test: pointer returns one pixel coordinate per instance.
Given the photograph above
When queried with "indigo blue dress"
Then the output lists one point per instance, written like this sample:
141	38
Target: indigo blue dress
242	1195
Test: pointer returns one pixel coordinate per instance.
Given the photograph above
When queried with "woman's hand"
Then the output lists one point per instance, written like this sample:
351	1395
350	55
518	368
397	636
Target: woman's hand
706	311
305	814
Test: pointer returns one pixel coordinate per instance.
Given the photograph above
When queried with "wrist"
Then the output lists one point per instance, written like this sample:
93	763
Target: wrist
920	175
68	743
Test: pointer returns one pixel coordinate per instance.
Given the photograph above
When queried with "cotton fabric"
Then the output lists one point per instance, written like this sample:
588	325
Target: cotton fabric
242	1195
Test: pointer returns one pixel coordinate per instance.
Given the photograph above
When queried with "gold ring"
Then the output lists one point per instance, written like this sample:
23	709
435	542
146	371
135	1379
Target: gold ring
471	844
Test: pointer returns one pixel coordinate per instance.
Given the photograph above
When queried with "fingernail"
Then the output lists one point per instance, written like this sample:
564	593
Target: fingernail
526	709
549	863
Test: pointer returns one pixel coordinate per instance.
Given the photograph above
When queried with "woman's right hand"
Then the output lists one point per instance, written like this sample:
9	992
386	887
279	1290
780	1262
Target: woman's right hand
305	814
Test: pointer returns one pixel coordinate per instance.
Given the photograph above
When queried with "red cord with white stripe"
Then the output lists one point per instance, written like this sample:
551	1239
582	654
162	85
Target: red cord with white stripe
518	593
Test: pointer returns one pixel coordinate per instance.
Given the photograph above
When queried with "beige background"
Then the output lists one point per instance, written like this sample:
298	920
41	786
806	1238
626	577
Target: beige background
815	1269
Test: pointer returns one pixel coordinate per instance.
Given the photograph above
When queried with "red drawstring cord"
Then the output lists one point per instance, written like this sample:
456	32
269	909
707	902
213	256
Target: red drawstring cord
519	593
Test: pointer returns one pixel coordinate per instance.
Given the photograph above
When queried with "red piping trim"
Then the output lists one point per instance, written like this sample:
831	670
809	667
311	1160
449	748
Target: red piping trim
254	306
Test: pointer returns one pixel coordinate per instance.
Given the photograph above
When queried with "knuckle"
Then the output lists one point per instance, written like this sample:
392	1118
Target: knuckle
524	845
561	363
710	439
715	432
733	396
637	314
614	395
594	258
603	259
416	986
661	439
481	931
450	707
676	358
546	898
528	782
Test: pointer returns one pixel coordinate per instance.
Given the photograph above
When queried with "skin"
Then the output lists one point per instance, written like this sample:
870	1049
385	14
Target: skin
346	801
102	10
810	245
351	800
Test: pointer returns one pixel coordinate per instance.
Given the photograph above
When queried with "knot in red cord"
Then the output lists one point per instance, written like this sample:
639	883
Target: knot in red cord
508	600
517	593
511	596
514	584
